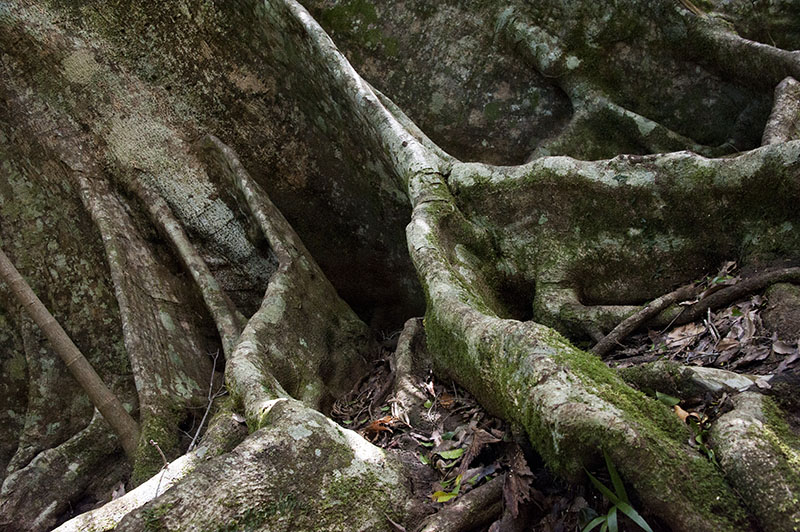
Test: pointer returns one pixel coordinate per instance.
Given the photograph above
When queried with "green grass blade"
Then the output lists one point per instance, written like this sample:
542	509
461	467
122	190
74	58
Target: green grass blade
667	399
616	481
593	523
604	490
612	520
634	516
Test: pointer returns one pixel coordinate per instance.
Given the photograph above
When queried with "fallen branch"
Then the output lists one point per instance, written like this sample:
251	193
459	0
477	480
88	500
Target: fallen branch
729	294
102	398
478	507
750	434
633	322
689	314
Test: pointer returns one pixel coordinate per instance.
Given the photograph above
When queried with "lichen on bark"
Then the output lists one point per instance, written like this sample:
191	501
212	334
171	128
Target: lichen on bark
92	113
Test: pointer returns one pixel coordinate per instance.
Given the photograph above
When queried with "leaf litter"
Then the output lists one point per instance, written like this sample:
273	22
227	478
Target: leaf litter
733	338
464	447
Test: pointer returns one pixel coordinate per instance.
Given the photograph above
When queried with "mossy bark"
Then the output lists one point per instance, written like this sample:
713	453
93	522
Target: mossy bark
104	97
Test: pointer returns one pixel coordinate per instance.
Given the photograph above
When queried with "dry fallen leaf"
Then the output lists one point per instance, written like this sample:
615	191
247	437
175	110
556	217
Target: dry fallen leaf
752	353
782	348
377	426
685	334
786	362
480	438
727	343
517	486
446	400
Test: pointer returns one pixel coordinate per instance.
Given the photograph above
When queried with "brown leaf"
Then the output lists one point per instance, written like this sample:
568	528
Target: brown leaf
782	348
684	335
753	354
517	485
727	343
377	426
748	324
725	357
446	400
786	362
480	438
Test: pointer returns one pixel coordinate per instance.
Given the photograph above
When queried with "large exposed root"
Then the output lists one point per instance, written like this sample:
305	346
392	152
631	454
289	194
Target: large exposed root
156	320
525	371
300	472
312	343
585	226
227	317
406	392
477	508
761	459
760	64
63	470
594	110
223	434
784	122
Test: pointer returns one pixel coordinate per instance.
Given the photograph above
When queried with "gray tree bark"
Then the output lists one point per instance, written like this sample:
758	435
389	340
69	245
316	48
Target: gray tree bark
237	142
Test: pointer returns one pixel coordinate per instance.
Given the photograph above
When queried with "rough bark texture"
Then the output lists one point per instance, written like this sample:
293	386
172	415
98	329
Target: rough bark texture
156	244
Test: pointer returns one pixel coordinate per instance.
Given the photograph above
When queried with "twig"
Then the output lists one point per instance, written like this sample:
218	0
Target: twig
717	299
211	397
693	8
631	323
163	468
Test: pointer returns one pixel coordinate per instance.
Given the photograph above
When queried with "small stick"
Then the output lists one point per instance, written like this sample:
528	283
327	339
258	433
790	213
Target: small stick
631	323
211	397
163	468
714	300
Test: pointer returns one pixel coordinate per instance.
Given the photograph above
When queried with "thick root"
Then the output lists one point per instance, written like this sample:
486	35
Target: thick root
300	472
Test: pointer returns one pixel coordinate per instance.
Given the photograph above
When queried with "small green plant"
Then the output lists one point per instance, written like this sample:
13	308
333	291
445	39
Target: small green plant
700	429
620	501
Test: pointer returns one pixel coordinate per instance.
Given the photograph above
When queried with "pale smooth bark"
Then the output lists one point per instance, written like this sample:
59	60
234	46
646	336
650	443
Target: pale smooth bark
102	398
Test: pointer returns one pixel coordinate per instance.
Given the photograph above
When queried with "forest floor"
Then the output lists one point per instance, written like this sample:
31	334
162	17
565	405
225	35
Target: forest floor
465	447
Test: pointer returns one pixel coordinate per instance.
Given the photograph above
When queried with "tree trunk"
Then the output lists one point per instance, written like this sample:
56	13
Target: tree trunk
218	177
